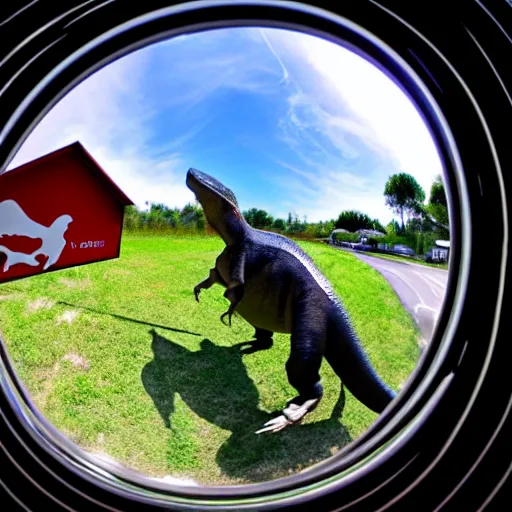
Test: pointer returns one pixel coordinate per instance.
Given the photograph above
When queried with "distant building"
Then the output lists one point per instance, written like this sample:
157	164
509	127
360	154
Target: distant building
440	253
367	233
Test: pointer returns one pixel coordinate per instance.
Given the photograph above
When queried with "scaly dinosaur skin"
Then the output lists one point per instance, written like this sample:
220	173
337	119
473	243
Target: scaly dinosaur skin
275	286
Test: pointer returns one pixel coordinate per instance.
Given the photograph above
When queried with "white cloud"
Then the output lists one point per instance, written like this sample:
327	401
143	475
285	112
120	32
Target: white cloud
112	113
231	59
110	116
346	114
349	126
325	194
377	102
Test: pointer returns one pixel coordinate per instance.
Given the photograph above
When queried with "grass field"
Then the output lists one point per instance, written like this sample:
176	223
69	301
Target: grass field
121	358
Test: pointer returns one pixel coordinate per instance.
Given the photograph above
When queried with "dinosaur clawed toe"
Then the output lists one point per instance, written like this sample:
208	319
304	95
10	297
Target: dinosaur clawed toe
293	414
275	425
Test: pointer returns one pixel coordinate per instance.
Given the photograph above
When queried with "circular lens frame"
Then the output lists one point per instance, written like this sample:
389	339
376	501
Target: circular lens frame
74	49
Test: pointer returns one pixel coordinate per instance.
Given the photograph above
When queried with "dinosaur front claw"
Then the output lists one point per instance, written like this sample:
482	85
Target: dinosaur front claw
227	313
197	291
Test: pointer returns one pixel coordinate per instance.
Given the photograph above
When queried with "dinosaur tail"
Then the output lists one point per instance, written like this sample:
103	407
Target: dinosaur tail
349	361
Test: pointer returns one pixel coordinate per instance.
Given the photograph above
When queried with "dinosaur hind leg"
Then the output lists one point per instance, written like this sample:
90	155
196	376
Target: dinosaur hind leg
263	338
303	371
263	341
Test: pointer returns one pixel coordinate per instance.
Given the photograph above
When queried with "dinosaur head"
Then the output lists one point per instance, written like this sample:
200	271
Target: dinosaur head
219	204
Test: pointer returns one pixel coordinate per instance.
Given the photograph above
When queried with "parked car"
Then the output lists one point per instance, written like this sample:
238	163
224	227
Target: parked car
361	247
403	249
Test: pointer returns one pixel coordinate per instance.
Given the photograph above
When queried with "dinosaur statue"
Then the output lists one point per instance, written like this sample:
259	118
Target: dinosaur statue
275	286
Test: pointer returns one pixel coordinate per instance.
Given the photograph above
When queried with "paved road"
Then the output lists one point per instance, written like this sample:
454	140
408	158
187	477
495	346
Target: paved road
421	289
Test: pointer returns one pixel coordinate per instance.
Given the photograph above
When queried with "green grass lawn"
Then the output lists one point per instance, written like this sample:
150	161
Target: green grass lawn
121	358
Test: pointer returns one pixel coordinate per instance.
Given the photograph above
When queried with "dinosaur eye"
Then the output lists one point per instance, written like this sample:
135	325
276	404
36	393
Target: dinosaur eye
163	337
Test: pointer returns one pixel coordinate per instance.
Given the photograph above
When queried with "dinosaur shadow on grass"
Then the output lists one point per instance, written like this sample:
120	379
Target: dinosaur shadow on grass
214	383
126	318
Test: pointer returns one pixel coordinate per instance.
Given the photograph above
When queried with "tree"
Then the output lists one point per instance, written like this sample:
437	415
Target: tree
157	207
258	219
415	225
393	228
437	209
437	192
352	220
320	229
295	226
188	209
279	224
404	195
377	226
193	215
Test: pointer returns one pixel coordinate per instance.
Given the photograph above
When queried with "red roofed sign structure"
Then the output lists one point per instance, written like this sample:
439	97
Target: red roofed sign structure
59	211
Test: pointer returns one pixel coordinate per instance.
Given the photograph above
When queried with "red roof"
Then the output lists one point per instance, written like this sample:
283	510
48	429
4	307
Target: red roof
77	150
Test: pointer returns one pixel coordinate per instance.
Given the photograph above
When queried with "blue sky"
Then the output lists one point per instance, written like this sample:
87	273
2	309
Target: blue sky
288	121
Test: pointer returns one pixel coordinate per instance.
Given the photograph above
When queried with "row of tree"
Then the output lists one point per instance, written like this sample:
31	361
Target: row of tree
419	225
406	197
159	217
191	219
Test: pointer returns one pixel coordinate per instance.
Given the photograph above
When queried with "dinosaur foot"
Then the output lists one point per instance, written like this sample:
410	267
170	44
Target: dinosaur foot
249	347
291	415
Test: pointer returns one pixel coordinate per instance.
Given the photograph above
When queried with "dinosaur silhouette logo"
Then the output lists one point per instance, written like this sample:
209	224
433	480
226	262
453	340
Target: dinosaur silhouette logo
14	221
